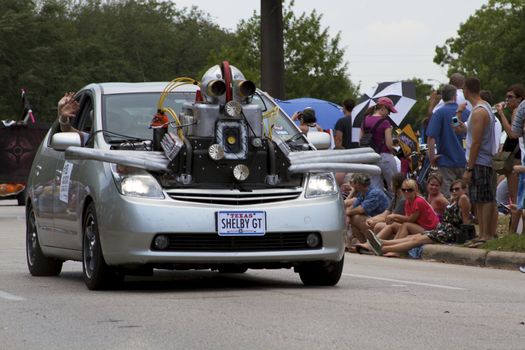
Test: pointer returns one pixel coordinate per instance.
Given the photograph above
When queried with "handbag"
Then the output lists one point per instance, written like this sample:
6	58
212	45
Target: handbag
503	162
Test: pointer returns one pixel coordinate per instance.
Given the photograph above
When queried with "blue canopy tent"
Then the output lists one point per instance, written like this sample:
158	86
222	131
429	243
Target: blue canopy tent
327	113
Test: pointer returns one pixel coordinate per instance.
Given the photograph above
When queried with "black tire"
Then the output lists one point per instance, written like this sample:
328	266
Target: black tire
21	198
97	274
321	273
37	263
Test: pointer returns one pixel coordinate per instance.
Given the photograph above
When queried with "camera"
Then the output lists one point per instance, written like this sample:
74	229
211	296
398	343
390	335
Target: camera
455	121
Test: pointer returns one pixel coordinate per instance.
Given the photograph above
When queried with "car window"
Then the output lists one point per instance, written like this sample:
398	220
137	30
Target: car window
276	122
85	119
75	122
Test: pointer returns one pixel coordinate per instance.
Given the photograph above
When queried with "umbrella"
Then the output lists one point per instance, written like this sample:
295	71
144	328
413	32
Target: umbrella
326	112
402	93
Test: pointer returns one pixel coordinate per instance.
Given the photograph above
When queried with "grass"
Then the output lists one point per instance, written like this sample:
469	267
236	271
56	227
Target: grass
508	242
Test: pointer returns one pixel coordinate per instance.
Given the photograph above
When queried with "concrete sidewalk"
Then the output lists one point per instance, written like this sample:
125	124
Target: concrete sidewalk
473	256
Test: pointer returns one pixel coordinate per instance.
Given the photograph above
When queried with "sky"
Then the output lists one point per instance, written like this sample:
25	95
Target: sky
384	40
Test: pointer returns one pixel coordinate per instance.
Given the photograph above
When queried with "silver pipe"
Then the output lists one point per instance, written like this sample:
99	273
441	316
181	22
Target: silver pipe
350	158
336	167
330	152
143	154
114	156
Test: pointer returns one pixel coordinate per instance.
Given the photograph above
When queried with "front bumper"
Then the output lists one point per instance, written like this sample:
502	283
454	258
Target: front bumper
128	228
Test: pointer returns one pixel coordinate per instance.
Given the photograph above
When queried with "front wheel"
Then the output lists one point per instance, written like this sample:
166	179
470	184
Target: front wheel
37	263
97	274
321	273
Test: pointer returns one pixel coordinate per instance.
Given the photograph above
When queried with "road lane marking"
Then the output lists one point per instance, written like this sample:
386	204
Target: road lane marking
405	282
9	296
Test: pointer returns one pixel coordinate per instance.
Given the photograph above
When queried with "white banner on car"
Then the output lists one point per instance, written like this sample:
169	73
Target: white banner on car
64	181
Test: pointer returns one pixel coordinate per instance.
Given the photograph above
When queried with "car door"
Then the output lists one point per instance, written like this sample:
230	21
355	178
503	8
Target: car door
43	187
66	206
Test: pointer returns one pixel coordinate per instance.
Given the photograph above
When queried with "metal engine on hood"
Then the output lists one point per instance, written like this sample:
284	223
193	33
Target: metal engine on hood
220	137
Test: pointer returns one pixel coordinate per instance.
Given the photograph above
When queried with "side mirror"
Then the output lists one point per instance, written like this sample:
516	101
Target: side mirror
62	140
321	140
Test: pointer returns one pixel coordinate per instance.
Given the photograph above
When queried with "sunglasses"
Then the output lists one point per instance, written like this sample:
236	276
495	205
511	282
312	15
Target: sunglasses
407	190
455	189
510	97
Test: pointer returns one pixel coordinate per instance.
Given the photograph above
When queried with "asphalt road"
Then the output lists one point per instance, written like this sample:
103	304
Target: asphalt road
379	303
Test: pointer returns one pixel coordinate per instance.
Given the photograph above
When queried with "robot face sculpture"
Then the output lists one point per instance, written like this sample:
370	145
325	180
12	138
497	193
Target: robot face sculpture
224	131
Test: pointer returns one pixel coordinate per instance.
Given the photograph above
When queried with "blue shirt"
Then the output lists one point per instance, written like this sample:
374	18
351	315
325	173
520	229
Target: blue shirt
374	202
449	144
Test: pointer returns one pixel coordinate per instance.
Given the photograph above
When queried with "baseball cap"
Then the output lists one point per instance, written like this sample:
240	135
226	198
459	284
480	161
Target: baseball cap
385	101
360	178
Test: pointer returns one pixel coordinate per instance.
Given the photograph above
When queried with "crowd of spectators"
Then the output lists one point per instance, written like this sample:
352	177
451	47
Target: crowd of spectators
388	215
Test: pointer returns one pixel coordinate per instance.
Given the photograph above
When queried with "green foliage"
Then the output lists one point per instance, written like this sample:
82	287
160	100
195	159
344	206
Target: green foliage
53	46
490	45
314	63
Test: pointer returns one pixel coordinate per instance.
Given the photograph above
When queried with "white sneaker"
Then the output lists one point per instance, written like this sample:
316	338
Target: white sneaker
522	269
375	240
375	243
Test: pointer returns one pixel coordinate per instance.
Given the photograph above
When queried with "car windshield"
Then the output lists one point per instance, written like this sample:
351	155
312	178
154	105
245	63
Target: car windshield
276	122
130	114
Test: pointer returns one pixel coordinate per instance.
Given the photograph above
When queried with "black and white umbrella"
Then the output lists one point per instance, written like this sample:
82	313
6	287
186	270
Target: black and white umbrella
402	93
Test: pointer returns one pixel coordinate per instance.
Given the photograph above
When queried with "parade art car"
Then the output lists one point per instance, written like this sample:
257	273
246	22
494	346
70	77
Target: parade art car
217	179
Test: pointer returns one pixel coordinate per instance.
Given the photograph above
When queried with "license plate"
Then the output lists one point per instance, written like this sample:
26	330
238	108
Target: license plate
241	223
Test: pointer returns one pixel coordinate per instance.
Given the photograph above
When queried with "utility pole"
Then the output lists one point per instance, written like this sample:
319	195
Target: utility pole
272	48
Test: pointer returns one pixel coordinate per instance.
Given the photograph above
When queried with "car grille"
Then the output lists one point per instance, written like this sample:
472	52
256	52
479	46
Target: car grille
236	197
212	242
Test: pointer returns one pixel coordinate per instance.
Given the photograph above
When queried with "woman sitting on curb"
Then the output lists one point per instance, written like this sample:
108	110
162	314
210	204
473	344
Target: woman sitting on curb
419	215
397	205
456	214
435	197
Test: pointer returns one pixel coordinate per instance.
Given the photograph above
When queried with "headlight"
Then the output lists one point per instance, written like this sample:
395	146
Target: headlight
135	182
321	185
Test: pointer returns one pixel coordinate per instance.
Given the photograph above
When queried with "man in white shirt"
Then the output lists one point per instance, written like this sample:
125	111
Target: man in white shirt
458	80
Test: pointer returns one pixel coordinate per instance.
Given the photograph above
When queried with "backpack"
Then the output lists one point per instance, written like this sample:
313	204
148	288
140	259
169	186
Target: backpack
367	140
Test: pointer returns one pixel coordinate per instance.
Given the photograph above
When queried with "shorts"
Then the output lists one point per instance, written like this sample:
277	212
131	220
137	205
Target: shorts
482	188
521	191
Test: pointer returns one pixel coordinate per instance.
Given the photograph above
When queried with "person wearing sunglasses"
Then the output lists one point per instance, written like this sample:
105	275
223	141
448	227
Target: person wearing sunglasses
456	215
419	215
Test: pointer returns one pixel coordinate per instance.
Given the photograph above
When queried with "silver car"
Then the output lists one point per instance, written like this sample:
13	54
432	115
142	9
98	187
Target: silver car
217	197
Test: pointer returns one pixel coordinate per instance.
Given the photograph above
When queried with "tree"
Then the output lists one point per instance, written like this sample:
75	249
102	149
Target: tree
314	63
54	46
489	45
17	29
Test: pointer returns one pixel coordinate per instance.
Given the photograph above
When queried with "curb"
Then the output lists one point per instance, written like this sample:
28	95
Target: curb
473	256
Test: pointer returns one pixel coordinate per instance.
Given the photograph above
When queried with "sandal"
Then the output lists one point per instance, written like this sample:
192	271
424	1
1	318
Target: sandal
477	243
